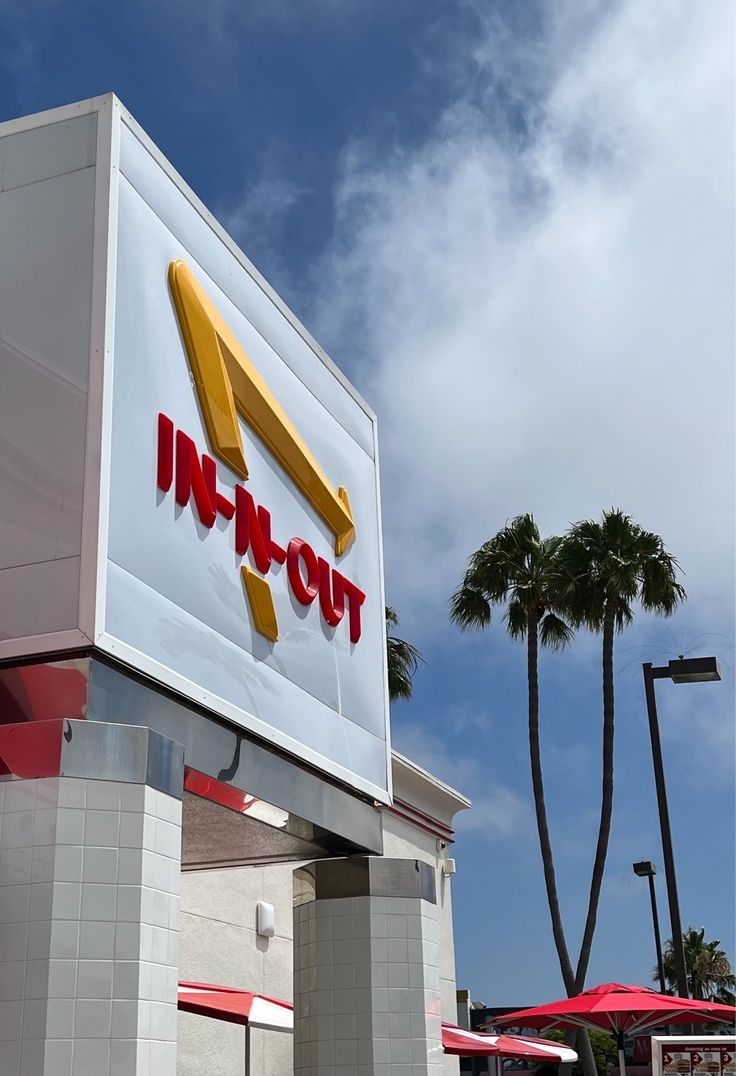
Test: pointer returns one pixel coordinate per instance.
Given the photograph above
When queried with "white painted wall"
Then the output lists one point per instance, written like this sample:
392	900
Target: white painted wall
219	945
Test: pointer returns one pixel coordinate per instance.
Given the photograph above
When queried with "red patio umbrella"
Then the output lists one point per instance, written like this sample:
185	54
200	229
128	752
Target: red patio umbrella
621	1010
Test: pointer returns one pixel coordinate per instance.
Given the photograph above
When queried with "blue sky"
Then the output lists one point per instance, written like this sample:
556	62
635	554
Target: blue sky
512	226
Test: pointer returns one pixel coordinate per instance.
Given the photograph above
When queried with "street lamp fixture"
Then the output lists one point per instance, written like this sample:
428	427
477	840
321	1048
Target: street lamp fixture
681	671
693	670
646	869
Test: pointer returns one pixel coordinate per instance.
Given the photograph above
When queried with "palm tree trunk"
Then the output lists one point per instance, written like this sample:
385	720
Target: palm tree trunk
539	804
580	1041
604	828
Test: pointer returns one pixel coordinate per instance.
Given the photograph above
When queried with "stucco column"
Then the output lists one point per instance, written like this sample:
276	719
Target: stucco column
366	979
89	881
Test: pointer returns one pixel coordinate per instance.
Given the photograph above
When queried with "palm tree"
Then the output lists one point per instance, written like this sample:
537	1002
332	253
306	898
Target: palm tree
516	568
402	660
709	975
605	568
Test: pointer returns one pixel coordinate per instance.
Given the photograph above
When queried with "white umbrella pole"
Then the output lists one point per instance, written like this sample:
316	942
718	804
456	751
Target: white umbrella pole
621	1056
247	1050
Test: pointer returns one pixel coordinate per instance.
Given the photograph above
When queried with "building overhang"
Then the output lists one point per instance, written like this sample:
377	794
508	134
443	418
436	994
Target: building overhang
245	802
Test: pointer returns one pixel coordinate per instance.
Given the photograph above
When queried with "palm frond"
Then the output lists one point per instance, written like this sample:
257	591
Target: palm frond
402	660
709	972
469	608
661	592
624	616
613	563
517	619
554	633
516	567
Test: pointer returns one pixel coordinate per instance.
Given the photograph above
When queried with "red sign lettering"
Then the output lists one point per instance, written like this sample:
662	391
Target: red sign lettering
195	478
298	550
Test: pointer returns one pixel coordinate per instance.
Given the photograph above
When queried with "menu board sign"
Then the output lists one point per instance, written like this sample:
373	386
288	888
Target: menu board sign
676	1063
711	1055
707	1062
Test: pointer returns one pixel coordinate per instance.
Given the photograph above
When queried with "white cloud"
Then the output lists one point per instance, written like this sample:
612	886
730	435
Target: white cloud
258	220
544	320
498	811
429	751
699	732
19	40
266	200
465	719
220	24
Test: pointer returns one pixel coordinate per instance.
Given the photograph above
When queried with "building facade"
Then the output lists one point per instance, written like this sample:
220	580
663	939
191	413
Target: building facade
192	644
220	943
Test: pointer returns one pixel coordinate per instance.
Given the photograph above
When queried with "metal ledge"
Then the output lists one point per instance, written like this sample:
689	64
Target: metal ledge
102	751
366	876
322	818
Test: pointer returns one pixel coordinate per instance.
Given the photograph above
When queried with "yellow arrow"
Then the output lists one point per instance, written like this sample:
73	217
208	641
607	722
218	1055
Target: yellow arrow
226	381
261	604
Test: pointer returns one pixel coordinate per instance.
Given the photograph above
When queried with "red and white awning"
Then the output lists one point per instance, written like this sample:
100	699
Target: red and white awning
456	1040
236	1006
256	1010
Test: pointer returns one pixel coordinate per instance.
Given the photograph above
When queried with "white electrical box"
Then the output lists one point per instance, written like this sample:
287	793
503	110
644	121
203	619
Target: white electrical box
265	919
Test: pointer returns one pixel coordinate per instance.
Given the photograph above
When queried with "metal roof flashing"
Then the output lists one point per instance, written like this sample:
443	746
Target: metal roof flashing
421	789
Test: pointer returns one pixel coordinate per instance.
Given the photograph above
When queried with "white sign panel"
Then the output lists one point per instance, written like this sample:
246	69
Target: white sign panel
238	555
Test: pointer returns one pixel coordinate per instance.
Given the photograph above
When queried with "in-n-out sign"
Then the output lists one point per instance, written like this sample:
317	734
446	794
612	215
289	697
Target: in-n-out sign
256	433
228	384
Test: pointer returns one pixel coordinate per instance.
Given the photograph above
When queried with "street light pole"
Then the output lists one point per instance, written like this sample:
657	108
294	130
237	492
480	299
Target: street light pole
682	671
657	939
664	825
645	869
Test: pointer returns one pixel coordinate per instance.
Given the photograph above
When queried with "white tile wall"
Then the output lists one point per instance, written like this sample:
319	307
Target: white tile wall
89	923
366	988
